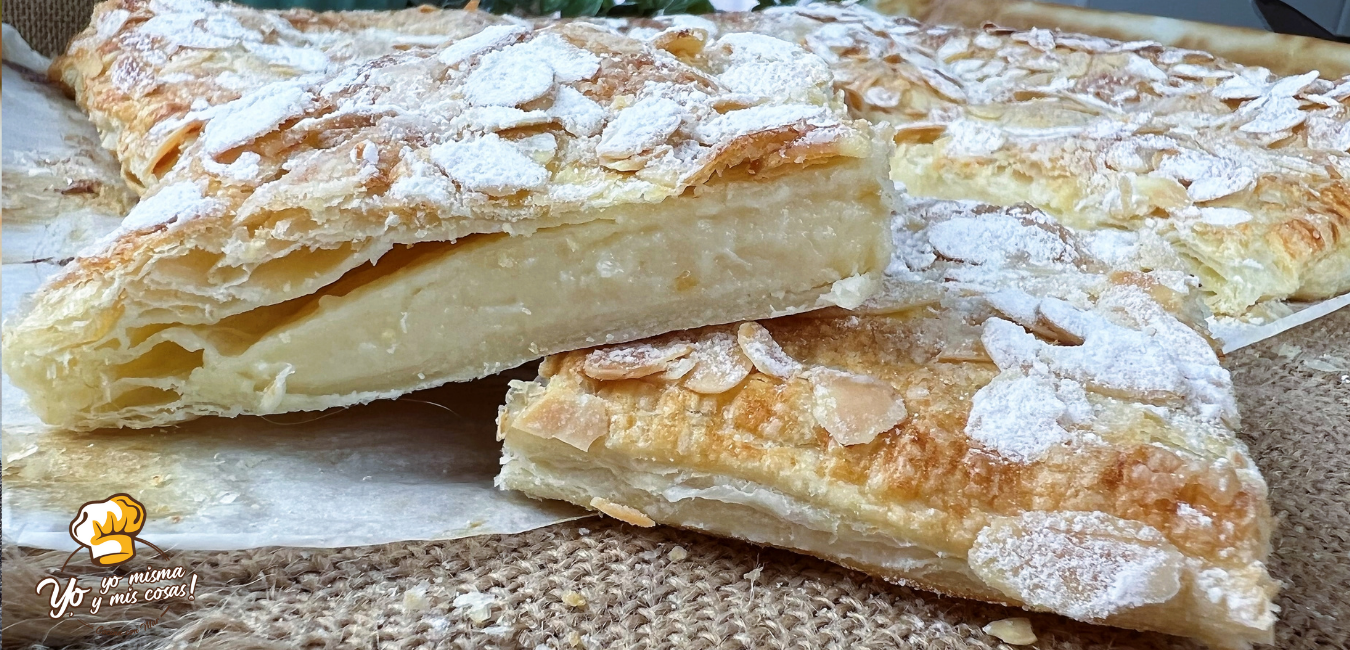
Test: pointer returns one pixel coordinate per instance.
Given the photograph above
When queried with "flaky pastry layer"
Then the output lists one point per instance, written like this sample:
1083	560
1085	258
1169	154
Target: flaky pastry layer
1021	422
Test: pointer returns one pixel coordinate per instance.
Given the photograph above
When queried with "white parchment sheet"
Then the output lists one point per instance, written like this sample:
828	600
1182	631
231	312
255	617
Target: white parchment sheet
420	467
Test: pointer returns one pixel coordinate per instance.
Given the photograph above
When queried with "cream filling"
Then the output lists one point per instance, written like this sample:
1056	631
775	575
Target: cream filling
738	250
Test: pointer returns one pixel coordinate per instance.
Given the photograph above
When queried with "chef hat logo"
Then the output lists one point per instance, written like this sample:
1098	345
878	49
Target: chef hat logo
108	528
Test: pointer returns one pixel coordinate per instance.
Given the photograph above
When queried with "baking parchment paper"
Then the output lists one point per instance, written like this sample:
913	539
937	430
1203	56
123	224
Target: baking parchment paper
419	467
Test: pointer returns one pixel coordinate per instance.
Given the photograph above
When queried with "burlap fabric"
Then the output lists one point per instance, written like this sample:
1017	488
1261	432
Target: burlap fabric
600	584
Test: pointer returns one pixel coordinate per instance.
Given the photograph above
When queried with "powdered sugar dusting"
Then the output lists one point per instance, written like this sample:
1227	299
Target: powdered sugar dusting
1086	565
508	77
640	127
579	114
254	115
489	165
997	239
1018	417
734	124
176	202
490	37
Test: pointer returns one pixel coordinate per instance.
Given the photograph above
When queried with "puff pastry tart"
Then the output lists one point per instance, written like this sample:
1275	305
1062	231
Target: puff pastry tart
440	214
1244	172
1014	420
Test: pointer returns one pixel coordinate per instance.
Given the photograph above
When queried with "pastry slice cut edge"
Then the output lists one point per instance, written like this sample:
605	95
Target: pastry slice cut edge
399	223
970	443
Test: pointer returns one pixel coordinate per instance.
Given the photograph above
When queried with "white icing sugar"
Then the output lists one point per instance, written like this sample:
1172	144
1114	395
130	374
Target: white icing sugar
579	114
911	251
424	182
498	118
1120	362
183	30
305	59
1077	409
570	63
489	165
763	66
1326	133
1224	216
540	147
176	202
645	124
734	124
244	168
255	114
1114	247
1018	417
1015	304
1237	87
1009	346
111	22
1276	114
508	77
492	36
1210	176
1290	86
1085	565
995	239
971	138
1142	68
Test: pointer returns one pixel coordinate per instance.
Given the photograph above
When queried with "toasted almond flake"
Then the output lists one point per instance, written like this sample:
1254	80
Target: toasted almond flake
640	127
491	36
1013	631
577	419
678	369
622	512
508	77
854	408
719	365
1086	565
633	360
764	352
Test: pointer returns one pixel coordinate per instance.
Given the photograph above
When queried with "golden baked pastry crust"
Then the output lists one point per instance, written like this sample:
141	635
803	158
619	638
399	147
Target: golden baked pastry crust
311	199
1243	171
910	439
1100	133
1284	54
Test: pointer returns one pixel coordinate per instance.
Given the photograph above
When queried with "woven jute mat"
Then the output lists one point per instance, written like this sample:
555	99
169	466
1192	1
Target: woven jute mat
596	583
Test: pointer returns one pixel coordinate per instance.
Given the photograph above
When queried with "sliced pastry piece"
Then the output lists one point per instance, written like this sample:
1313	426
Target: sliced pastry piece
444	213
1244	172
1014	420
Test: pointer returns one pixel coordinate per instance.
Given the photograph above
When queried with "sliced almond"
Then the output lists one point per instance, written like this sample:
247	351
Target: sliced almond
678	369
1085	565
1012	631
1071	324
719	365
684	42
632	360
853	408
622	512
769	358
578	419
